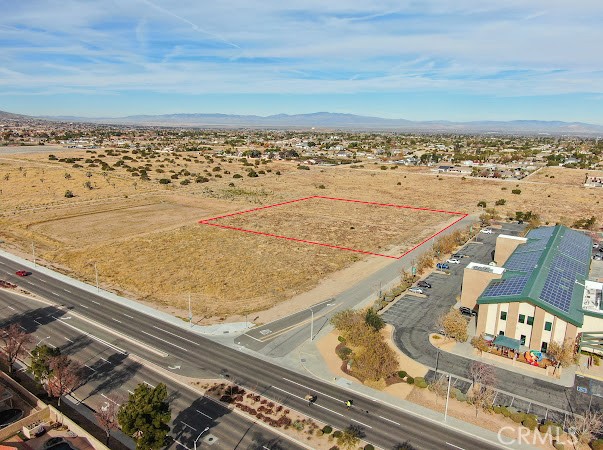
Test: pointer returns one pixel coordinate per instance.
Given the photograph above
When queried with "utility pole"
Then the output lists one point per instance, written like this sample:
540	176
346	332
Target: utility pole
447	398
201	434
33	250
96	274
312	326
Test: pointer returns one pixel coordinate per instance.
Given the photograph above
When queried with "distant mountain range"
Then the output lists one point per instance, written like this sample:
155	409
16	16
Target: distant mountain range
334	121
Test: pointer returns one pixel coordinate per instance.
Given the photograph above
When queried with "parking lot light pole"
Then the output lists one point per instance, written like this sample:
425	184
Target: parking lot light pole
312	326
198	437
33	250
96	274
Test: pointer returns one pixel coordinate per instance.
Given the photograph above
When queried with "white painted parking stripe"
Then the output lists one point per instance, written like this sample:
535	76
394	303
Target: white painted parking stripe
163	340
389	420
315	404
187	425
104	396
176	335
130	392
106	360
68	339
93	370
147	383
202	413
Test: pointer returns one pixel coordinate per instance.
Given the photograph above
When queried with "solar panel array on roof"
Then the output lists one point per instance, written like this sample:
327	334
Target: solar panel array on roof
541	233
561	279
507	286
525	261
575	244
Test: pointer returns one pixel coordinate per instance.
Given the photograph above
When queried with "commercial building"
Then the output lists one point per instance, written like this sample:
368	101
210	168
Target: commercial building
538	291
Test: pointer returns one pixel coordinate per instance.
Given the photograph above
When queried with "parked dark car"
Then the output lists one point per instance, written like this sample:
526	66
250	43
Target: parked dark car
467	311
424	284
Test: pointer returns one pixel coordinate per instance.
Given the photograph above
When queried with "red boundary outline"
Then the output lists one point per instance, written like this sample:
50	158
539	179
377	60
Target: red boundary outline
338	247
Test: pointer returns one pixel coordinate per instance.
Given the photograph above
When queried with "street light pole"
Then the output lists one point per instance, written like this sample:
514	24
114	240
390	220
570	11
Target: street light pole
190	311
33	250
43	339
447	398
96	273
198	437
437	360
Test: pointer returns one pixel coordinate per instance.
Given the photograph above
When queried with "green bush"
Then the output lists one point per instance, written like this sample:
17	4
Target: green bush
402	374
530	423
461	397
497	410
419	380
369	447
341	339
518	417
410	380
327	429
422	384
505	412
454	392
516	191
237	175
337	434
344	353
597	444
559	446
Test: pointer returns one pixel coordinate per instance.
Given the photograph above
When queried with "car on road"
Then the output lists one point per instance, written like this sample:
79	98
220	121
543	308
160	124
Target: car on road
22	273
442	266
467	311
486	231
453	261
416	290
459	255
424	284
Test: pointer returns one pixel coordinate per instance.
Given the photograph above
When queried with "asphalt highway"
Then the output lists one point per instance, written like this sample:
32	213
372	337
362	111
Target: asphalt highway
194	355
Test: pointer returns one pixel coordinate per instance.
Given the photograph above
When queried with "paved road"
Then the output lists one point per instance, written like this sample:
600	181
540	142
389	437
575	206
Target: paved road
110	375
415	319
287	333
197	356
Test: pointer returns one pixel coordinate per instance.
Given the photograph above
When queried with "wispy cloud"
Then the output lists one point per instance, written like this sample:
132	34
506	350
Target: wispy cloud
510	48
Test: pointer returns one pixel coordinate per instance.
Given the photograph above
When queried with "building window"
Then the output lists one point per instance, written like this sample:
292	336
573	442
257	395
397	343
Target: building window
522	339
522	318
501	333
548	326
544	347
530	320
503	315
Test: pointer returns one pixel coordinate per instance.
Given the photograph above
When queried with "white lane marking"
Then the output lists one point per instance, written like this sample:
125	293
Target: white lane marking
83	306
93	370
42	280
163	340
151	386
357	421
176	335
114	347
97	303
455	446
112	401
389	420
311	389
187	425
118	321
11	307
127	315
315	404
54	293
68	339
201	412
66	290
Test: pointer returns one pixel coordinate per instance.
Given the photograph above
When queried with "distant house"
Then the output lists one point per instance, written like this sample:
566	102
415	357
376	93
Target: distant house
445	168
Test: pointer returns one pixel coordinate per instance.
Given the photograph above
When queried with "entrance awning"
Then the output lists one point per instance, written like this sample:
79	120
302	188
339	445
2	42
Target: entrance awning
507	342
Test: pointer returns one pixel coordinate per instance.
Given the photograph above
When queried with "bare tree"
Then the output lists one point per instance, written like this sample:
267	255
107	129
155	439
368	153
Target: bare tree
480	343
15	341
440	387
454	325
66	376
564	353
585	427
482	391
107	416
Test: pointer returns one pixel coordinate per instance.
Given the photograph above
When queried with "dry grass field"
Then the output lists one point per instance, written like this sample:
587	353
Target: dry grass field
561	175
146	240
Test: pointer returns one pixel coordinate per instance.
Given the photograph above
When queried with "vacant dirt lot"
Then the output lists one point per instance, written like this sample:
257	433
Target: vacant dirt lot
147	242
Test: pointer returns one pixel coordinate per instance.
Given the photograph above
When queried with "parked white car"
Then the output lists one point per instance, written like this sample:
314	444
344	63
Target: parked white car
453	261
416	290
486	231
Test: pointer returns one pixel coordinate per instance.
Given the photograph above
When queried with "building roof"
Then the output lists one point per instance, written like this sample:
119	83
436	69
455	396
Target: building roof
548	270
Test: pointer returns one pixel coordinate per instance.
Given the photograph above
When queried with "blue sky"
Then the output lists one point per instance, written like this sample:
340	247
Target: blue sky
421	60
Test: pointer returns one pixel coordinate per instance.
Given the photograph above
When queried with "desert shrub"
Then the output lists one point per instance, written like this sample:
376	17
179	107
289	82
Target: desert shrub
505	412
341	339
237	175
69	194
497	409
422	384
410	380
500	202
201	180
369	447
402	374
322	186
559	446
516	191
518	417
530	423
327	429
337	434
419	379
252	174
303	167
278	172
344	353
319	433
461	397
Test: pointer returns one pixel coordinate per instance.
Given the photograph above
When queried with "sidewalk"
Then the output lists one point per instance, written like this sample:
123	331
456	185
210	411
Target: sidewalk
307	359
594	372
